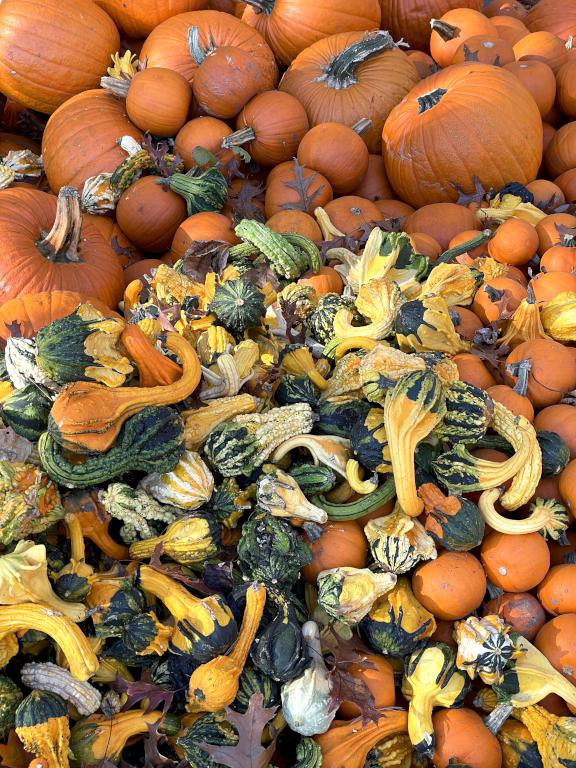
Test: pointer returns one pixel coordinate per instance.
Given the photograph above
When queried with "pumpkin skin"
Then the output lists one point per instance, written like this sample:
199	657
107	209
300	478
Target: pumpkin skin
510	28
293	25
473	371
486	302
465	322
566	85
374	185
542	46
547	285
341	544
25	214
487	49
509	9
549	230
557	592
424	63
379	681
425	245
295	221
12	141
137	18
539	81
79	140
515	242
337	152
282	196
559	258
442	221
514	401
414	143
520	610
206	225
207	132
567	183
374	88
139	269
557	641
394	209
567	486
350	213
560	155
326	281
561	419
158	101
75	32
149	214
461	734
546	193
410	19
450	587
467	23
556	16
515	563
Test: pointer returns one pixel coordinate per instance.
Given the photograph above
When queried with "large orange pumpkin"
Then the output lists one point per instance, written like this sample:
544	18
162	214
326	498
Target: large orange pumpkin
542	46
450	128
557	641
137	18
206	132
442	221
52	50
566	86
351	76
515	563
556	16
46	244
450	587
80	138
560	155
552	370
290	26
538	79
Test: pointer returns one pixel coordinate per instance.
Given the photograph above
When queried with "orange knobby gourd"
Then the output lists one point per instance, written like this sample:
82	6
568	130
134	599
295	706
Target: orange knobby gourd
337	152
560	418
520	610
158	100
515	563
341	544
450	587
515	242
557	592
551	370
557	641
538	79
442	221
461	734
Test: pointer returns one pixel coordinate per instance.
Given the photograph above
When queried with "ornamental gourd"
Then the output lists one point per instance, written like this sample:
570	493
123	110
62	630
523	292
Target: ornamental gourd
42	726
238	305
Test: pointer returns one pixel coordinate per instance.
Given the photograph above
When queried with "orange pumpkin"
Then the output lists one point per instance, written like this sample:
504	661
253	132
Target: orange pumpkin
337	152
565	86
350	213
560	549
547	488
567	183
462	735
548	133
550	230
515	242
504	8
557	592
12	141
374	185
206	225
206	132
547	285
442	221
560	155
465	322
394	209
158	100
426	245
450	587
126	250
520	610
546	193
542	46
295	221
326	281
410	19
64	47
379	681
514	401
454	28
567	487
495	295
137	18
557	641
510	28
291	186
139	269
556	16
472	370
561	419
487	49
538	79
559	258
149	213
424	63
341	544
552	370
515	563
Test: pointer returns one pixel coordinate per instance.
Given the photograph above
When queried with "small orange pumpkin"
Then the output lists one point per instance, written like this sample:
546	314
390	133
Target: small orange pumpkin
341	544
394	209
557	592
546	193
472	370
515	242
515	563
557	641
538	79
374	185
452	29
514	401
547	285
542	46
326	281
461	734
567	486
295	221
520	610
450	587
567	183
379	681
158	101
550	230
442	221
149	214
560	418
425	245
510	28
350	213
495	295
465	322
487	49
337	152
206	132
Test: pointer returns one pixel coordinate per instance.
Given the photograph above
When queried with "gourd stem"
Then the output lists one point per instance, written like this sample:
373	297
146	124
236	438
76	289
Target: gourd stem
446	31
255	602
341	71
420	728
459	250
77	547
117	87
530	297
362	125
243	136
262	6
61	243
316	378
498	717
429	100
195	50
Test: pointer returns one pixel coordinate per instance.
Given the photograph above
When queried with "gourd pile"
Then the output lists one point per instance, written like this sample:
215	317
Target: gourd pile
287	383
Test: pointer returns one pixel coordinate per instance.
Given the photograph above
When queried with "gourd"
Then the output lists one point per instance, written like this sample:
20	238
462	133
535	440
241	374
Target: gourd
369	442
76	425
214	685
238	305
94	522
297	360
141	514
154	368
321	321
281	496
289	255
189	539
454	522
313	479
397	623
379	300
45	676
348	594
203	627
546	515
209	728
413	407
151	440
557	317
199	422
10	698
518	746
252	681
469	411
425	324
485	647
398	541
188	486
555	452
26	411
279	651
363	506
553	735
431	679
306	701
42	726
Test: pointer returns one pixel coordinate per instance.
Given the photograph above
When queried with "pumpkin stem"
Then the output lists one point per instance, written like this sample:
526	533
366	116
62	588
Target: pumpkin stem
195	50
61	243
362	125
341	72
446	31
469	245
530	298
243	136
429	100
118	88
522	371
262	6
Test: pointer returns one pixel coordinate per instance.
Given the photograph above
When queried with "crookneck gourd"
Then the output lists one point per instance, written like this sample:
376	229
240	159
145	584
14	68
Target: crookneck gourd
347	594
378	300
189	539
46	676
546	515
87	417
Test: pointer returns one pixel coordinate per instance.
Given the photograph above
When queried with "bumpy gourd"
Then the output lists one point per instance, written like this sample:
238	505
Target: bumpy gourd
190	539
484	648
425	324
469	411
10	698
198	423
454	522
45	676
347	594
43	728
398	541
29	501
378	300
456	283
558	315
26	411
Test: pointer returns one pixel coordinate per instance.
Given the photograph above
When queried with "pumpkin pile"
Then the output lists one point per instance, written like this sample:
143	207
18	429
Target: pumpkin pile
287	383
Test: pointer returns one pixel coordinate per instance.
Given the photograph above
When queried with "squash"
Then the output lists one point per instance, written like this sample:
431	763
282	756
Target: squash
555	453
348	594
469	411
26	411
520	610
321	321
443	221
154	368
542	46
424	325
461	733
10	698
452	586
398	542
296	221
238	305
518	746
515	242
454	28
453	522
337	152
189	539
209	728
280	649
487	49
342	544
43	728
378	678
158	101
515	563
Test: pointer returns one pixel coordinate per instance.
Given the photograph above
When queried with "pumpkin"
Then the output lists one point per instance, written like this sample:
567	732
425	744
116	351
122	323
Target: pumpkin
149	213
168	45
551	230
542	46
80	138
350	214
379	679
565	84
461	734
158	101
454	28
128	253
567	183
567	487
487	49
552	370
553	16
510	28
79	33
295	221
442	221
496	296
206	225
137	270
465	322
342	544
538	78
417	131
289	27
472	370
520	610
424	63
556	592
560	156
450	587
137	19
559	258
515	242
549	131
337	152
13	142
410	19
547	285
293	187
556	640
374	185
350	76
546	194
519	404
48	244
206	132
515	563
271	127
327	281
508	8
347	742
560	419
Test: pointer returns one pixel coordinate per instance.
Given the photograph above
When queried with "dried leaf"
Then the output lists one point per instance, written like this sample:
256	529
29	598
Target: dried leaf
138	690
13	447
200	257
14	329
465	198
165	161
242	204
173	570
153	758
301	186
248	752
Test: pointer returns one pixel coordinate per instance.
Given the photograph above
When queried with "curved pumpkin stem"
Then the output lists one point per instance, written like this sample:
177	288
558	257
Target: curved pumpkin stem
262	6
362	126
242	136
446	31
194	48
61	243
429	100
341	72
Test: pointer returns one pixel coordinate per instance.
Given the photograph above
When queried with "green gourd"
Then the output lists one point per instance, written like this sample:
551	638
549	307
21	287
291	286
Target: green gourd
238	305
555	453
26	410
313	479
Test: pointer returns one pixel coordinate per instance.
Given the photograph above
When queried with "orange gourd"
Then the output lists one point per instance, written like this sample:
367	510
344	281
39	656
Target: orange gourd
515	242
149	213
442	221
497	295
374	185
379	681
341	544
154	368
567	486
557	591
520	610
206	225
561	419
454	28
350	213
450	587
158	100
295	221
206	132
557	641
337	152
462	735
546	193
472	370
426	245
538	79
519	404
515	563
326	281
487	49
347	742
